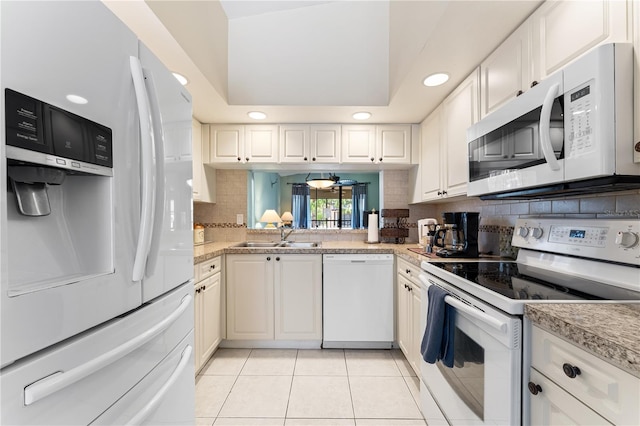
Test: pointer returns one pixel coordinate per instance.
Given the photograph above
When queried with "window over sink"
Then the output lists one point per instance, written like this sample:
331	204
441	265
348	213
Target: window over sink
273	190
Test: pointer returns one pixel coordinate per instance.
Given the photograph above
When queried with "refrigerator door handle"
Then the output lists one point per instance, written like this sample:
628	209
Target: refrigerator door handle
154	402
159	188
148	169
60	380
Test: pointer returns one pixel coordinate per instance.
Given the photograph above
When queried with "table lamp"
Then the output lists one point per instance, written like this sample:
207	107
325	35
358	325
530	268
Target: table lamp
270	217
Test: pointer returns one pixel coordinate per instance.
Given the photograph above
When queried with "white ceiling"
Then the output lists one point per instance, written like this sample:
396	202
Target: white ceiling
320	61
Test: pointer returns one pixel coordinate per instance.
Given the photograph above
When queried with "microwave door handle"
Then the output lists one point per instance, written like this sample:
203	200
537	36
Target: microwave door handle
148	170
159	187
545	127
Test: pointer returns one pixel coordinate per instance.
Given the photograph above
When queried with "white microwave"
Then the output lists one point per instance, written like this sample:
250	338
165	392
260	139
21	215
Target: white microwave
570	134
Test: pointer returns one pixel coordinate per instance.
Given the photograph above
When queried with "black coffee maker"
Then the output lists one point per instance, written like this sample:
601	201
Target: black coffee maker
458	237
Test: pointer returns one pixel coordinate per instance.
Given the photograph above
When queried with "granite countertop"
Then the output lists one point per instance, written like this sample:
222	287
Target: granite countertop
607	329
204	252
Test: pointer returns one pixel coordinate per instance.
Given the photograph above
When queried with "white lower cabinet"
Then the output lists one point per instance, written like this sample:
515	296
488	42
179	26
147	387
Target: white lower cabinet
274	296
408	334
298	297
207	310
569	385
553	406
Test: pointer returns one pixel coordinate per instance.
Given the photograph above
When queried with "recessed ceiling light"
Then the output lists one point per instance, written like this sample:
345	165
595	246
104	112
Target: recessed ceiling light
257	115
77	99
363	115
181	78
436	79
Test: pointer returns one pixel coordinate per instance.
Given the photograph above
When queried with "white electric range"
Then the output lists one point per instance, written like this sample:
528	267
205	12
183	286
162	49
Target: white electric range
559	261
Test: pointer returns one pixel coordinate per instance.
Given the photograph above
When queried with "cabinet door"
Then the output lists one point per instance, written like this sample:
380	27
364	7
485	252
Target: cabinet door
249	296
196	141
358	144
460	110
393	144
298	297
226	144
210	294
636	73
403	314
197	327
610	391
325	143
294	143
507	71
564	30
554	406
430	159
204	175
261	144
416	332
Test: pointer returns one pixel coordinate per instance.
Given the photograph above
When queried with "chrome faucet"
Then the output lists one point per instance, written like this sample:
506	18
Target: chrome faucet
284	235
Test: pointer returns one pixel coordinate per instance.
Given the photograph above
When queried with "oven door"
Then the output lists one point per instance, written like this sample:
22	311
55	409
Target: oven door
484	385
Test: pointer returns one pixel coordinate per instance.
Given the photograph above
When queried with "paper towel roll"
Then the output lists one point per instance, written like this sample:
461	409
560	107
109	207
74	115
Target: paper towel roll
372	234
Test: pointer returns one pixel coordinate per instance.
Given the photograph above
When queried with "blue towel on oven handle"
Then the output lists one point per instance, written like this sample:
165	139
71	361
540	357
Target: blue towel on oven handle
437	342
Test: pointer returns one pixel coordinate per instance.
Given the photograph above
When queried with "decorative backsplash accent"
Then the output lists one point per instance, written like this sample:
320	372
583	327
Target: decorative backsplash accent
223	225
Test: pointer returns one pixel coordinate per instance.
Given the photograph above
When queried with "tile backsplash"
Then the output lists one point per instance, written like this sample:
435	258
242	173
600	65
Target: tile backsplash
496	217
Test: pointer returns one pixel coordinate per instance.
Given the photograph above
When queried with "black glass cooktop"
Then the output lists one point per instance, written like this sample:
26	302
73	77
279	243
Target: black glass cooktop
519	282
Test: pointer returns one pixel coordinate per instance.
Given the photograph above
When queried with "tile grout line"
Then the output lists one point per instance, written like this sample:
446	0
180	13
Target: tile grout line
234	383
293	373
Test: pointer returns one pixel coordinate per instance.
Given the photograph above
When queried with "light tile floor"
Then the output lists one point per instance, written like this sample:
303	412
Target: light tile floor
289	387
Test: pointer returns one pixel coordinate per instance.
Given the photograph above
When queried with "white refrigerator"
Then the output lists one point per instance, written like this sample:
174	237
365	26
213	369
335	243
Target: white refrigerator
96	248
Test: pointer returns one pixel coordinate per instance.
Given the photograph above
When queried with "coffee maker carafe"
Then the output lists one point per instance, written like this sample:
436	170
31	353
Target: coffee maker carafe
458	236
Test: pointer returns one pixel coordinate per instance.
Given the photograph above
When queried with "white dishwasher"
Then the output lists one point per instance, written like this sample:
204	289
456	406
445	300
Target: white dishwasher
357	300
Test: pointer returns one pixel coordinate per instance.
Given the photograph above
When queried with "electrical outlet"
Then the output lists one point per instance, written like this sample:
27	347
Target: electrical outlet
239	219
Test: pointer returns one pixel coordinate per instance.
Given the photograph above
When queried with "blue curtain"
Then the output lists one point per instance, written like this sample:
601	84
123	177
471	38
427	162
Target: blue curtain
301	205
359	204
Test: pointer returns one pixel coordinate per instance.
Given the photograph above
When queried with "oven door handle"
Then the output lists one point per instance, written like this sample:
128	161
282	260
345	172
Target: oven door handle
476	313
469	310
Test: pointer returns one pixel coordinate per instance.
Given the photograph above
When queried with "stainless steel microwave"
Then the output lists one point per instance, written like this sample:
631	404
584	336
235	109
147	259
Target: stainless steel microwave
570	134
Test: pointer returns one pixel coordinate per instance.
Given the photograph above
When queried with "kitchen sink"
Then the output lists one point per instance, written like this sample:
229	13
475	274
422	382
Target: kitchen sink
258	244
300	244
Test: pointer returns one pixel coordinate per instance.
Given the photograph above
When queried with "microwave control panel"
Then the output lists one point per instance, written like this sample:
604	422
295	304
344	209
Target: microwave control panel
579	105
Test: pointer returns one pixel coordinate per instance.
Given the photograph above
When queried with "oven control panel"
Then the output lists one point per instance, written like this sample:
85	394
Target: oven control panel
616	240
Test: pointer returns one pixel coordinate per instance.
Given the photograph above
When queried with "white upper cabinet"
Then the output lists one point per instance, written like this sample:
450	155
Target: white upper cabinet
636	73
204	177
564	30
506	73
430	162
303	143
226	143
358	143
243	144
393	143
325	143
261	143
459	112
376	144
294	143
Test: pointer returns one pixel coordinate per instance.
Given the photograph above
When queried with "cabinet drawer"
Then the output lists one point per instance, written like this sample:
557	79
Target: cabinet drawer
553	406
408	270
608	390
208	268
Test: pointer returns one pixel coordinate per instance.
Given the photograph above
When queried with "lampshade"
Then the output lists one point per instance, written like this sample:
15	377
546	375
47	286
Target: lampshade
320	183
270	217
287	218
